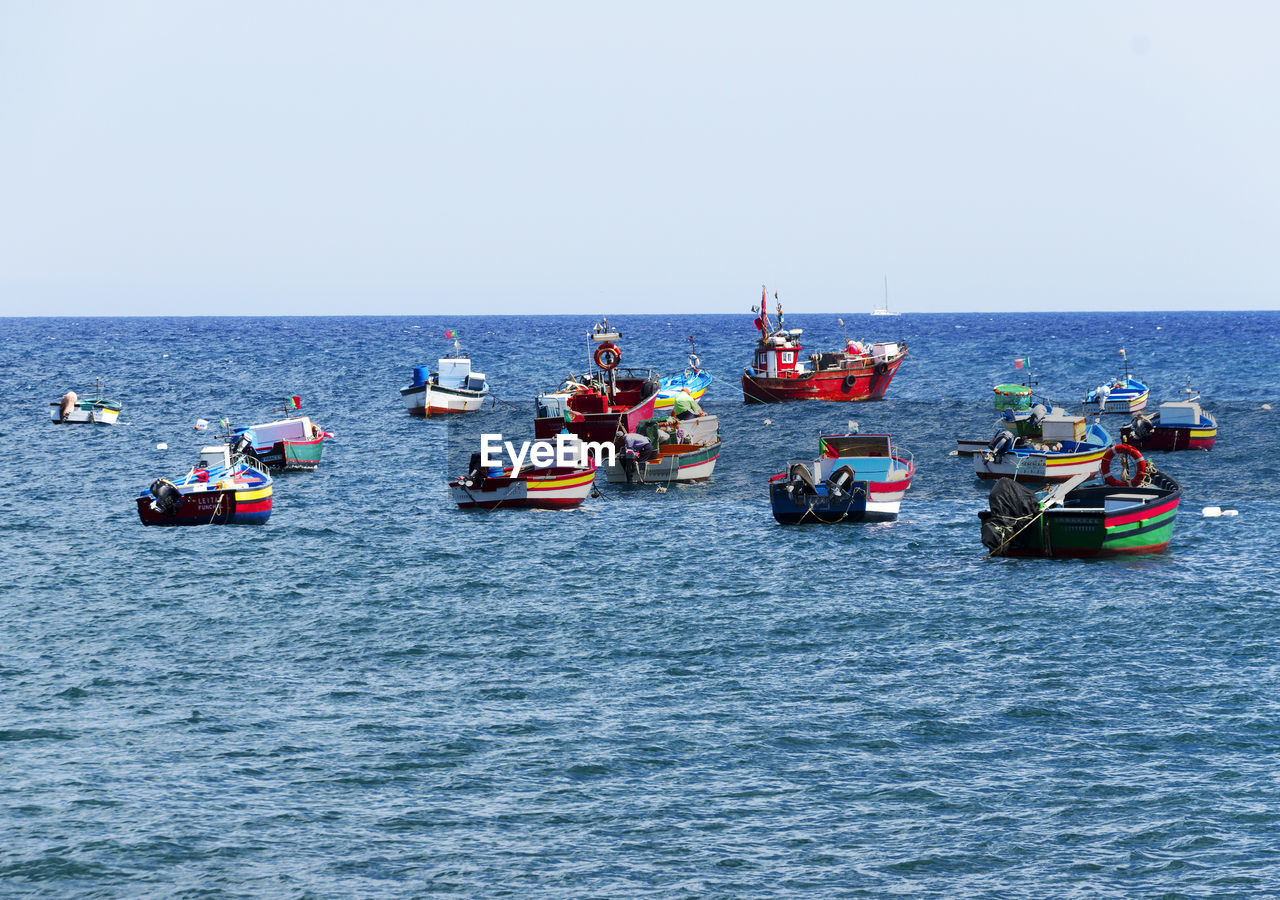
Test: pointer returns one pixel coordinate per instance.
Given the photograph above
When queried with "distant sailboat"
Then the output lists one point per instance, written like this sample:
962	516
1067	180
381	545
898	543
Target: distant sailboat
884	310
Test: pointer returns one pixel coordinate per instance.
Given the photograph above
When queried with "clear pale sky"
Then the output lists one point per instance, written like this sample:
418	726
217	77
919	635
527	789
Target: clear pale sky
383	157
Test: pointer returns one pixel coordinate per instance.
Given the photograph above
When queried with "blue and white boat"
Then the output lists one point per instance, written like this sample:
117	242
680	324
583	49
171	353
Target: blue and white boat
1123	396
694	378
858	478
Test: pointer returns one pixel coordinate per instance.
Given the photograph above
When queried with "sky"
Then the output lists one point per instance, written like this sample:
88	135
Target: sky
181	158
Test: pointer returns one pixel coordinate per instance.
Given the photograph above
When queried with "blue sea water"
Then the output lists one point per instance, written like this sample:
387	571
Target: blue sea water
657	694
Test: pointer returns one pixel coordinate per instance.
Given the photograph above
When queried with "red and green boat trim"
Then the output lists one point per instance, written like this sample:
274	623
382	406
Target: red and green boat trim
1097	520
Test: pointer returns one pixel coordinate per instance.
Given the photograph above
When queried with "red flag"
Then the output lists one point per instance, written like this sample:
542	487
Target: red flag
296	401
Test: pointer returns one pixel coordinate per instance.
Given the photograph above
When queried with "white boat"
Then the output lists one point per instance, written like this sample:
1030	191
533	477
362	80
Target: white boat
94	409
685	450
884	310
453	388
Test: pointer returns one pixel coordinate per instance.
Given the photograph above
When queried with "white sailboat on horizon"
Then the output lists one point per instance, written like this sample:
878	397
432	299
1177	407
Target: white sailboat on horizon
884	310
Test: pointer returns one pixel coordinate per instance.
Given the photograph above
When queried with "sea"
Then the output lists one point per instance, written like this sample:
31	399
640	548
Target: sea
658	694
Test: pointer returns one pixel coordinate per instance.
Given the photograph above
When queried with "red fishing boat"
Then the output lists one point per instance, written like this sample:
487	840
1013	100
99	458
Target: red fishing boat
861	371
595	405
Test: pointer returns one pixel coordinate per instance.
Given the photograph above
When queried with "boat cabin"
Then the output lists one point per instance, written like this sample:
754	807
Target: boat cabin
455	372
1062	428
268	434
778	356
869	455
1180	412
216	457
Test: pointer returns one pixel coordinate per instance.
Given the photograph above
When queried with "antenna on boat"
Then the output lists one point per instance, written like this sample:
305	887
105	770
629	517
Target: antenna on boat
843	331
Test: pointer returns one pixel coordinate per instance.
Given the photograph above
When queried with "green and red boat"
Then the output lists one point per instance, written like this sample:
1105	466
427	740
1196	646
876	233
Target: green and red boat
293	443
1072	521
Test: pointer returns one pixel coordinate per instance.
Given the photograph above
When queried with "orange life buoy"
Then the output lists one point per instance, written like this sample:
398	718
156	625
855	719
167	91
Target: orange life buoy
607	356
1140	471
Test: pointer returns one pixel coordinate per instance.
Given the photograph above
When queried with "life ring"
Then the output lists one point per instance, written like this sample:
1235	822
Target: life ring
1133	453
607	356
882	368
849	381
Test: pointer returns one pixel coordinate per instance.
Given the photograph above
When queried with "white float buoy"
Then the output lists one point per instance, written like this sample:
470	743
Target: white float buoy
201	424
1231	512
1266	406
162	446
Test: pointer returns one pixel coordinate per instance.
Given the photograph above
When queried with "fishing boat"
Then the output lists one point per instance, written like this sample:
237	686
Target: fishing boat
453	388
93	408
223	488
1124	396
860	371
1177	425
293	443
1021	414
680	451
1065	448
608	397
1119	517
694	378
529	487
857	478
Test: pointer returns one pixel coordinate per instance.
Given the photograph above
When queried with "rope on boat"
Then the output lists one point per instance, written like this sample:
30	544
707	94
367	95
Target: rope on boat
1034	519
926	378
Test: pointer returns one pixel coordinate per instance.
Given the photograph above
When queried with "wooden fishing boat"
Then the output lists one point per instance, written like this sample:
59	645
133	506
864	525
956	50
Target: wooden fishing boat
778	373
93	408
453	388
1021	415
293	443
686	451
1177	425
531	487
1121	396
1075	520
595	405
1066	448
221	489
858	478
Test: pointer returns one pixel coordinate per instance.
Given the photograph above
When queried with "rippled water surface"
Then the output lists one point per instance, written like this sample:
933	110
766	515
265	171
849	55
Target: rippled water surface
657	694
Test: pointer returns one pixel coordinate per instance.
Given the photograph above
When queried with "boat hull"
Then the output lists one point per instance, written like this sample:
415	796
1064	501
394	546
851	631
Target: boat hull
839	385
1177	437
432	400
556	489
300	456
212	507
88	413
1078	534
674	462
1030	467
864	501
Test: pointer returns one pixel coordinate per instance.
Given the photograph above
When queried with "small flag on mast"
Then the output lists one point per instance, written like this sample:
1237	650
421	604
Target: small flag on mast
1122	353
294	403
450	334
1024	363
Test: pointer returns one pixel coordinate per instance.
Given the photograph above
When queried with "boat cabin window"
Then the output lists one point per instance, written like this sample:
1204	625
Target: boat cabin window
841	445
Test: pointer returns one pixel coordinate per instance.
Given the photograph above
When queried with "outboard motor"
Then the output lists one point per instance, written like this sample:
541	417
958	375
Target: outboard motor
1002	442
1038	412
651	387
168	498
800	480
1142	427
475	471
1012	507
841	481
